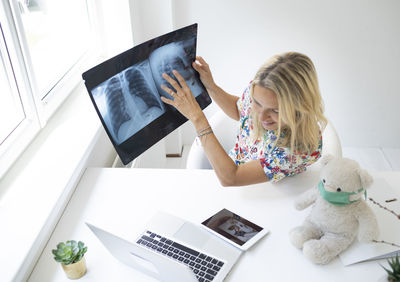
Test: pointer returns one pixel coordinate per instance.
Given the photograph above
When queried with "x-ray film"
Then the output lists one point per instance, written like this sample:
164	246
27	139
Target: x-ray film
126	91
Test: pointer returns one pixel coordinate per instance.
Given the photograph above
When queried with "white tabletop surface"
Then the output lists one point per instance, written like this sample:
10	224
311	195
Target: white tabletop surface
123	200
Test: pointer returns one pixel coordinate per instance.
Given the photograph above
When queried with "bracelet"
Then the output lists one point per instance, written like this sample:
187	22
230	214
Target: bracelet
198	142
204	129
205	133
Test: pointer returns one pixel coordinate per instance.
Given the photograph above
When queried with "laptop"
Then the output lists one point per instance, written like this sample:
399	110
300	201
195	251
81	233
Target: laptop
173	249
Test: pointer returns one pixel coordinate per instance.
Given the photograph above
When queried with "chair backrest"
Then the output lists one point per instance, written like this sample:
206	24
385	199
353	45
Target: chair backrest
226	129
331	141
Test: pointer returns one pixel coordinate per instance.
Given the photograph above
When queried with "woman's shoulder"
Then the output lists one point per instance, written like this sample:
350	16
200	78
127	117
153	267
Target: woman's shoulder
244	103
246	93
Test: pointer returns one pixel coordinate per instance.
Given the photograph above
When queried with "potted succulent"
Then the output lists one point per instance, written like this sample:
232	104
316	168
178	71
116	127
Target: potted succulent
70	255
394	272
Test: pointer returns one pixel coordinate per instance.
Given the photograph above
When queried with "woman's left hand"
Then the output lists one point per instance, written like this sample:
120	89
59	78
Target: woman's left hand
183	99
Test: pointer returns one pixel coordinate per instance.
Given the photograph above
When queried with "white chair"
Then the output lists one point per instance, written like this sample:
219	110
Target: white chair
226	129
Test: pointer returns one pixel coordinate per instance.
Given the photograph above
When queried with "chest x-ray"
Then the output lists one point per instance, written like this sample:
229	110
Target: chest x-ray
128	101
126	90
173	56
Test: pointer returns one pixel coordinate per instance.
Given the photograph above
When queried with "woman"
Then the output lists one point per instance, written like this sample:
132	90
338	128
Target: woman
280	115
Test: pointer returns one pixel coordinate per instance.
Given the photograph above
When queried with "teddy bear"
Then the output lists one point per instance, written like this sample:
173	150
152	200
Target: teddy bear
339	212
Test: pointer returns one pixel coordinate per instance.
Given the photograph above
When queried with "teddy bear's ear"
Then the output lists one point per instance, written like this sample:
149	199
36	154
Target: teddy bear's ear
326	159
366	178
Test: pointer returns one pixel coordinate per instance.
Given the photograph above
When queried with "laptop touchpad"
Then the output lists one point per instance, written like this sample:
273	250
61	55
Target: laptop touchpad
193	235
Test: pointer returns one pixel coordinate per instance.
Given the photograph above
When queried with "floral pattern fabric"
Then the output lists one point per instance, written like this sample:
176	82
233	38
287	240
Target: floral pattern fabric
276	161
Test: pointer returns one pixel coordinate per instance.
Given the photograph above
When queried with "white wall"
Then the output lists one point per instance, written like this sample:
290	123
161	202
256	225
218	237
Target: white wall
115	21
150	19
354	45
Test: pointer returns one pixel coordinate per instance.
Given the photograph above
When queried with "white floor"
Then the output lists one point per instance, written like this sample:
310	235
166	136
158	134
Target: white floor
379	159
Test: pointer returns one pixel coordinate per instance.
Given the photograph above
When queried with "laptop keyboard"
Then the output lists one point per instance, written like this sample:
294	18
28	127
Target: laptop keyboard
204	267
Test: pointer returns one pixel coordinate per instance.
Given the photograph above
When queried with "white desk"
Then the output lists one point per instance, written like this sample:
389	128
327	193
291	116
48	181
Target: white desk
123	200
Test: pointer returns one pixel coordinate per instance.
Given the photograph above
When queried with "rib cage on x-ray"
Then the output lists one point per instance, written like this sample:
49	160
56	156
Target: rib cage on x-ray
131	101
170	57
166	66
117	112
126	91
139	86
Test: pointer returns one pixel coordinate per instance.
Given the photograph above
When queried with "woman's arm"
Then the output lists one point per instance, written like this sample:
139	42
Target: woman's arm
225	101
228	173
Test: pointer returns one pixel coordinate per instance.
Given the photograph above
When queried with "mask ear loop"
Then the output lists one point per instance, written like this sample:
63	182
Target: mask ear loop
365	194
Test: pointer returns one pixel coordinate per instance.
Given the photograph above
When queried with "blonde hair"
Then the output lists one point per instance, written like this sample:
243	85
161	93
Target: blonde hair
292	77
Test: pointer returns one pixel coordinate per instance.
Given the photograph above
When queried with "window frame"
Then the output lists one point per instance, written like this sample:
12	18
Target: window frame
38	110
61	90
18	139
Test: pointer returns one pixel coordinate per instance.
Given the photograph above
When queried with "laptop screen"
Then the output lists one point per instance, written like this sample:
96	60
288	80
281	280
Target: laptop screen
126	90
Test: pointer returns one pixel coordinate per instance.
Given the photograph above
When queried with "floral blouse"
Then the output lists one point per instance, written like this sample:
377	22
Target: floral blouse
276	161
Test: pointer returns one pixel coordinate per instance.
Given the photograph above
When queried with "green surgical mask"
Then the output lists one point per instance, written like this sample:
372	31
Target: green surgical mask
338	198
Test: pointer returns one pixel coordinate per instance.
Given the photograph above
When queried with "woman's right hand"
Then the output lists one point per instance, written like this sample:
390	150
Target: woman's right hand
201	66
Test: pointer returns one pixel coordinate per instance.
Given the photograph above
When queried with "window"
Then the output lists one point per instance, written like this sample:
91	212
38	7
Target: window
11	107
57	36
45	45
